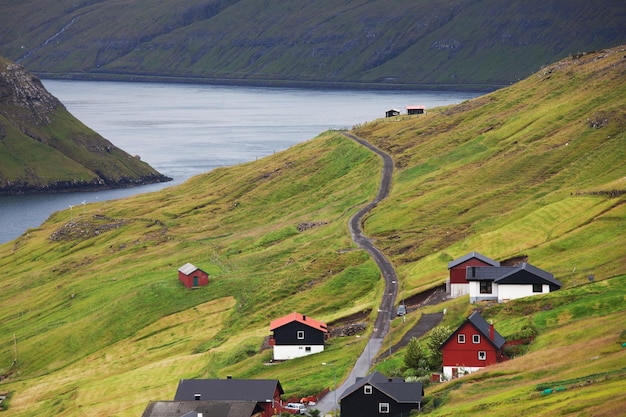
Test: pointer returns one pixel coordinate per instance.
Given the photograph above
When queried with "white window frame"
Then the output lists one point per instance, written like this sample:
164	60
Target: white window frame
476	339
482	355
367	389
300	335
461	338
383	408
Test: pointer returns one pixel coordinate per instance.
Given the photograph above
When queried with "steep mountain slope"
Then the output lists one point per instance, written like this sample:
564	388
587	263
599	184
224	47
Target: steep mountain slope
536	169
466	43
43	148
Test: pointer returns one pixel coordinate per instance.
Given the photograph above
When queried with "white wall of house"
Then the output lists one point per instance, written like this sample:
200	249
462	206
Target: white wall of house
462	370
475	295
282	353
458	290
511	292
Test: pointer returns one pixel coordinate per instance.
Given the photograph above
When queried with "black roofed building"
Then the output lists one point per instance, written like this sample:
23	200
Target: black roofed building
221	398
505	283
376	395
203	408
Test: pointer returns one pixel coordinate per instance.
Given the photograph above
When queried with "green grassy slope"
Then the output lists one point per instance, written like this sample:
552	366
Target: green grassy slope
44	148
103	326
405	42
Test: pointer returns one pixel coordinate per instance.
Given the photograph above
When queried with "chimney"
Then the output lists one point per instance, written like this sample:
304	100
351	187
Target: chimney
492	333
196	397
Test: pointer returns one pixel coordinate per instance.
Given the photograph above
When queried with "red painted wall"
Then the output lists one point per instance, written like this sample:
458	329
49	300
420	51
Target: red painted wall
187	280
457	274
466	354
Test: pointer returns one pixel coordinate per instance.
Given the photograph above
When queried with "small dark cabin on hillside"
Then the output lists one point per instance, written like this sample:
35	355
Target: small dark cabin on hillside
392	113
415	110
192	276
376	395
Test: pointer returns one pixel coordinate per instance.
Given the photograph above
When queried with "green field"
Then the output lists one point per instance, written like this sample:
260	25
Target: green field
100	324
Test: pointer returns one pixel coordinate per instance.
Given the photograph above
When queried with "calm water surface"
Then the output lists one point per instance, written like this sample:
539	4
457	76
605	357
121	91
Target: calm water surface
184	130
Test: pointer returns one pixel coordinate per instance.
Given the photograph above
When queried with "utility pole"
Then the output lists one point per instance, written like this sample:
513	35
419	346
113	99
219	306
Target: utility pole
14	351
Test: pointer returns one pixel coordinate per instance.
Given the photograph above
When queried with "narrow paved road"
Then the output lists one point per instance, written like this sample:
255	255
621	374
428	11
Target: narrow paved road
386	310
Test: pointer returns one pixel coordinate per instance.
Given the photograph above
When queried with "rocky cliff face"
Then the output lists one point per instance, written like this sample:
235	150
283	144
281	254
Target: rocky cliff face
24	93
43	148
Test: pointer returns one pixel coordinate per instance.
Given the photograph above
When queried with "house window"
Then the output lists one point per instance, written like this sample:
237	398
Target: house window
383	408
537	288
300	334
475	338
307	349
461	338
367	389
482	355
485	287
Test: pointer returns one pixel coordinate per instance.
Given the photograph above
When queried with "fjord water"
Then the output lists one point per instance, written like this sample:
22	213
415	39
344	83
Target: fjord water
183	130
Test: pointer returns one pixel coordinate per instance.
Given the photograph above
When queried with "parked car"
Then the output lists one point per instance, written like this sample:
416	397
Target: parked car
401	310
296	408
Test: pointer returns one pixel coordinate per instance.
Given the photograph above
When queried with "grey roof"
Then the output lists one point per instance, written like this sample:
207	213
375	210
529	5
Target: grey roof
259	390
471	255
487	273
187	268
529	274
207	408
524	273
482	326
396	388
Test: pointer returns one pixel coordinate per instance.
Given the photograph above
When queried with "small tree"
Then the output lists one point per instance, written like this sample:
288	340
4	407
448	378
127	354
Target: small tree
314	412
437	336
415	357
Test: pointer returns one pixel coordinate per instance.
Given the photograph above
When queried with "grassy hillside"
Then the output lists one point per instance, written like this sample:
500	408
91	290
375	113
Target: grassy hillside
466	44
43	148
101	325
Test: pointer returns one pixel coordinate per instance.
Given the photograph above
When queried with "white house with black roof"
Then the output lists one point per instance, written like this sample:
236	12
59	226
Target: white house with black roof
503	283
377	394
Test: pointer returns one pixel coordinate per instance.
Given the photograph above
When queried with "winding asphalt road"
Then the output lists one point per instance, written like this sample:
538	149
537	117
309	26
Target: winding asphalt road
386	311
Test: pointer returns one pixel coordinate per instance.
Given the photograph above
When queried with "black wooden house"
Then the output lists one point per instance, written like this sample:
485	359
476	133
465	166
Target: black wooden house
376	395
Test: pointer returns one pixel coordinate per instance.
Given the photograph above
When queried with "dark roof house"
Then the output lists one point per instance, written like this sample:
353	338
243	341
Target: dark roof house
474	345
505	283
203	408
376	395
229	389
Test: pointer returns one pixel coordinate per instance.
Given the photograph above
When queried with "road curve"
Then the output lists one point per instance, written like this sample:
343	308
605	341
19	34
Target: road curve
386	310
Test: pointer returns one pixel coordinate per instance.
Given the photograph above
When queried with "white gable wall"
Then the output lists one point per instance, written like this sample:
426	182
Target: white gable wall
475	295
461	370
458	290
512	291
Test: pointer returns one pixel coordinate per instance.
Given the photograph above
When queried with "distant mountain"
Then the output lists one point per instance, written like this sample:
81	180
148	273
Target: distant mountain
43	148
382	43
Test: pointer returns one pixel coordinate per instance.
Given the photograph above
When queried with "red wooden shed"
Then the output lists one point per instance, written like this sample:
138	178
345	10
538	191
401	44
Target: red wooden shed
192	276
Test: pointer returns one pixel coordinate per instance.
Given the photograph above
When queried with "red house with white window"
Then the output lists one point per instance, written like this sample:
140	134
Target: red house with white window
192	276
458	284
474	345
